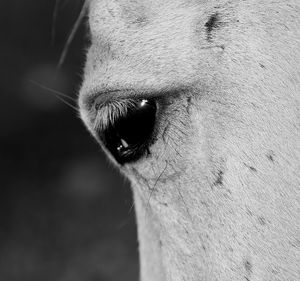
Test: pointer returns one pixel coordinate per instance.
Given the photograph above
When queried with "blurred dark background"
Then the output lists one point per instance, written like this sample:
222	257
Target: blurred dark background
65	213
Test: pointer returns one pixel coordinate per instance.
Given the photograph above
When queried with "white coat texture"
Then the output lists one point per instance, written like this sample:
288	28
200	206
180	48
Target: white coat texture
218	198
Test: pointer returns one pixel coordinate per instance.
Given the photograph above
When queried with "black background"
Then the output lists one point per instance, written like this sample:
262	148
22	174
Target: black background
64	211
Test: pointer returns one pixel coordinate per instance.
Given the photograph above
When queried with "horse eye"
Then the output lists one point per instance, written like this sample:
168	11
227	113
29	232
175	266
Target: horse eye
129	135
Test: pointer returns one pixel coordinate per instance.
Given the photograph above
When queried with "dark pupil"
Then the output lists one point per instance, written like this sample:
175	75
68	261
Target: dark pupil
128	137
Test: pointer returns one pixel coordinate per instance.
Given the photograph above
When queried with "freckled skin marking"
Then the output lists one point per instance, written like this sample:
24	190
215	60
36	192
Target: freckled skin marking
219	180
270	156
189	103
212	23
262	220
248	266
261	65
249	213
251	168
164	204
140	20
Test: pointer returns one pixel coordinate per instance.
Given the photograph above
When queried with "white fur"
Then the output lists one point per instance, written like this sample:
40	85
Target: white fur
218	199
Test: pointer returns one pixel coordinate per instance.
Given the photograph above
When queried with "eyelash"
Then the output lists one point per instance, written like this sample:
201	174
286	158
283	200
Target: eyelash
108	113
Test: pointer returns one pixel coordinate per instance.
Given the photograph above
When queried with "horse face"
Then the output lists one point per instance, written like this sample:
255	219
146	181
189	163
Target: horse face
196	102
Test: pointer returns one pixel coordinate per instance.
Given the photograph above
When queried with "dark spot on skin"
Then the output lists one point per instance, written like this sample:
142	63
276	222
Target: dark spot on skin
248	266
189	103
295	243
163	203
251	168
249	213
262	220
211	24
261	65
270	156
274	269
247	278
254	105
219	180
140	21
160	243
135	15
189	99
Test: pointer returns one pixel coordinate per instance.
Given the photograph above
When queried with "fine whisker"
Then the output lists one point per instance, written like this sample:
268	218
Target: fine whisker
67	103
52	90
184	203
54	20
72	34
57	94
156	181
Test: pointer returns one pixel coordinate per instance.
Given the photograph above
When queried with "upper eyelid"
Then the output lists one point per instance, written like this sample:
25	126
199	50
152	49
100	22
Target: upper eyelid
107	113
105	95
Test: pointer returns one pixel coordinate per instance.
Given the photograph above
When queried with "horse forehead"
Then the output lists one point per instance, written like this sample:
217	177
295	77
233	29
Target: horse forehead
116	13
127	32
138	4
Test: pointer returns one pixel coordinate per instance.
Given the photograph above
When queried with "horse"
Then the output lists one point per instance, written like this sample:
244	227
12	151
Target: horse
197	104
